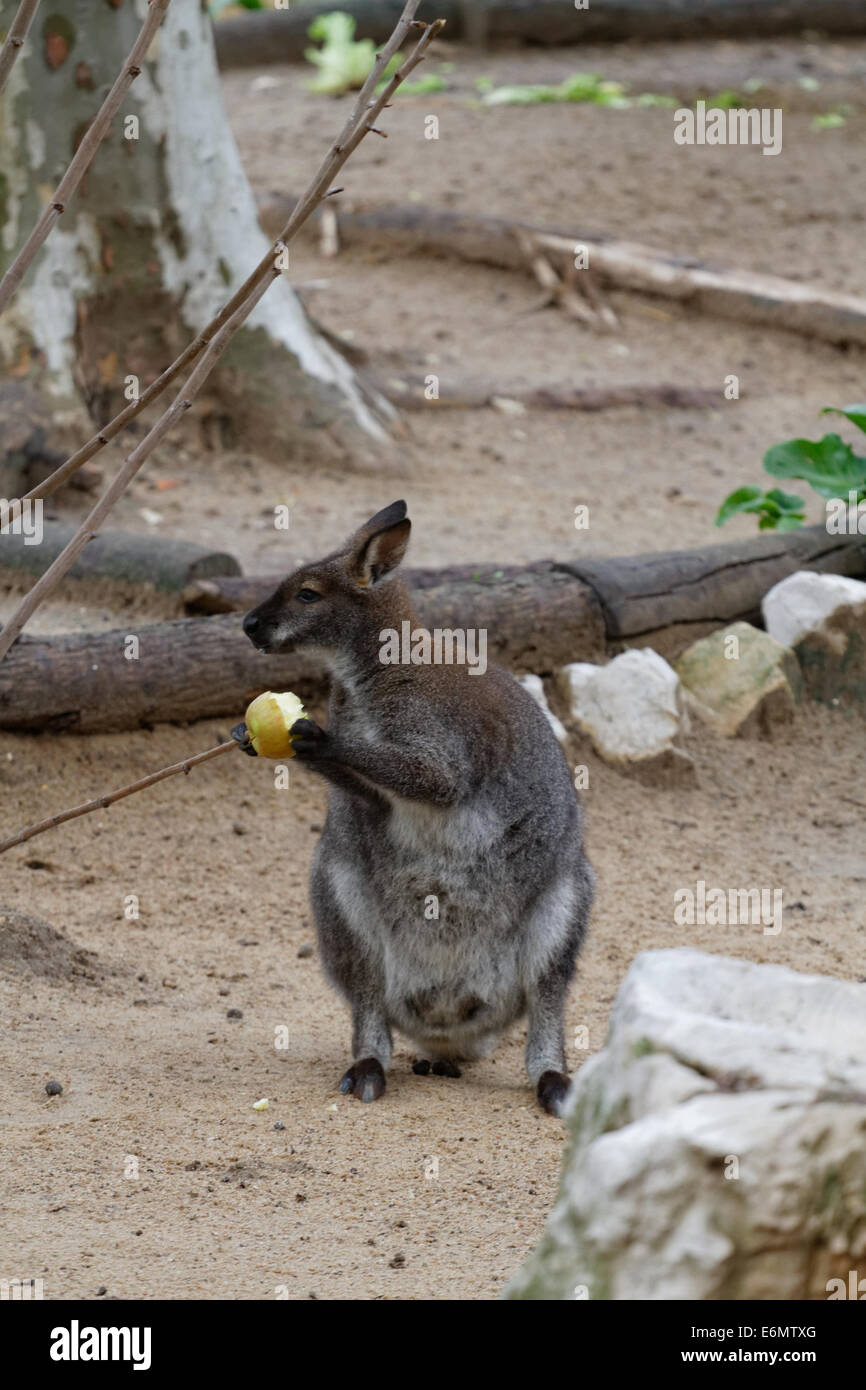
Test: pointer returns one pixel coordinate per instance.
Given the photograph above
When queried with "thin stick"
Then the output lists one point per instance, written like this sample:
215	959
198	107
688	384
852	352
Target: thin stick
89	527
367	113
347	141
15	38
102	802
83	157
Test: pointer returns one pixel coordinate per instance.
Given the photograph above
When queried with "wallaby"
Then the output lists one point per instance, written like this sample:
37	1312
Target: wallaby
450	887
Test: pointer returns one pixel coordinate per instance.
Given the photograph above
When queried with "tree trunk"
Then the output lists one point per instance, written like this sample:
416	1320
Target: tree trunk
161	232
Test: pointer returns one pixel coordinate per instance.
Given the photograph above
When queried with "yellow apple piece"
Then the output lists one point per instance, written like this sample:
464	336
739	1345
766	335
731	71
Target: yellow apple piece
269	719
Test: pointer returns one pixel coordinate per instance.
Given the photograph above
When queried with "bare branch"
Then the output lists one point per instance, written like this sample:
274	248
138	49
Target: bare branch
88	528
365	109
263	276
103	802
83	157
15	38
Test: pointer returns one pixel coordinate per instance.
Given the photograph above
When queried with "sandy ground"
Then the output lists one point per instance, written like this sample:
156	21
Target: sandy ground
152	1176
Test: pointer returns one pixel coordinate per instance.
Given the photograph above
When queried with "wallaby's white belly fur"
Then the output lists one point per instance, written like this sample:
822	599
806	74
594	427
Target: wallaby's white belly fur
457	960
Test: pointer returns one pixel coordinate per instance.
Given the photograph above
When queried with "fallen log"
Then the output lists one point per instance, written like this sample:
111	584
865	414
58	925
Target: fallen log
280	36
124	556
191	668
537	617
462	394
744	295
26	453
643	594
237	594
639	594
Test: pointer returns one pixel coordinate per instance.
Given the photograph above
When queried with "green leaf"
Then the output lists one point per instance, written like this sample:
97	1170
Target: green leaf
830	121
431	82
581	86
343	63
776	510
785	501
855	413
736	502
657	99
829	464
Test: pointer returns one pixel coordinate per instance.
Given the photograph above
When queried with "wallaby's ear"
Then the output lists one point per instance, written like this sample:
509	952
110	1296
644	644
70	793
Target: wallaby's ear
378	547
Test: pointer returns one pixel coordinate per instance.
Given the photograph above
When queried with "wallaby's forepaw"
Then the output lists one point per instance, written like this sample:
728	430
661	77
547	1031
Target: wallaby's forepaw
241	735
308	740
365	1080
552	1090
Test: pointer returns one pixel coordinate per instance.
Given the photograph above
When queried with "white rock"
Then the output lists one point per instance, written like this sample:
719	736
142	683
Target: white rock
630	708
801	603
535	687
717	1141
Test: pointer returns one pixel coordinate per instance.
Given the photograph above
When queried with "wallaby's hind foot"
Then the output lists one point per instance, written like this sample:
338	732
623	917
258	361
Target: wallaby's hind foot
552	1090
443	1067
365	1080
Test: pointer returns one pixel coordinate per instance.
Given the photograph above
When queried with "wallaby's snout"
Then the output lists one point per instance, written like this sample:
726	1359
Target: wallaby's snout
327	603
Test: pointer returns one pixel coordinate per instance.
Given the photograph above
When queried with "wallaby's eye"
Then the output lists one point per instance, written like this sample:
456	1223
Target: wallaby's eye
308	596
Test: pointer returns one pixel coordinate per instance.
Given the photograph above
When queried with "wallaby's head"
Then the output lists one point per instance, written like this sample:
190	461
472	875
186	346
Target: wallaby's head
334	603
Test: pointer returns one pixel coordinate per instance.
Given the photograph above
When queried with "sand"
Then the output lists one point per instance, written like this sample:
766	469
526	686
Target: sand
152	1176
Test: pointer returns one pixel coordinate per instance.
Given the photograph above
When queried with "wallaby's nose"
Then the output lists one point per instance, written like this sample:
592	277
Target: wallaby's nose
251	624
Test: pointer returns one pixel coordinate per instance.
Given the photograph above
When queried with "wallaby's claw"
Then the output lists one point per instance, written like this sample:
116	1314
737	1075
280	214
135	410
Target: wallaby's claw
365	1080
241	735
552	1090
308	740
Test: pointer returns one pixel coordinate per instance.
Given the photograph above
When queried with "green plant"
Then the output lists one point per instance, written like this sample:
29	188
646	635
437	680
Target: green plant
726	100
828	465
343	62
829	120
217	6
581	86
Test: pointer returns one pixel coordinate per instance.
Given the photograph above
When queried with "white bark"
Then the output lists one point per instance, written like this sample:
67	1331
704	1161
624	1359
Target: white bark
215	205
185	181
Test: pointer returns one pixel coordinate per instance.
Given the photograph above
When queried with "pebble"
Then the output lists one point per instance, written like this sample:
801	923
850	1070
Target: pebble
53	1088
234	1013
